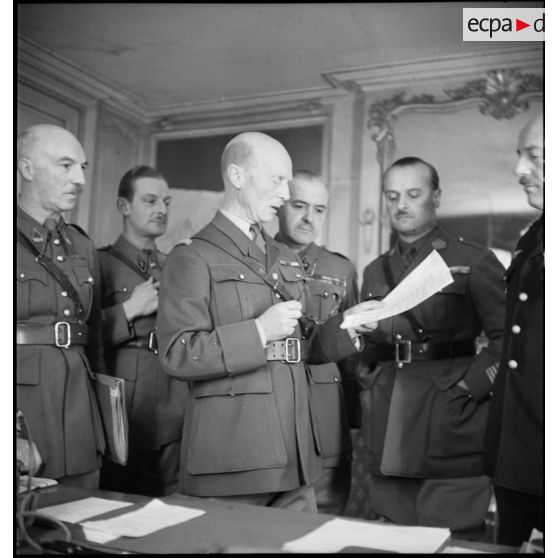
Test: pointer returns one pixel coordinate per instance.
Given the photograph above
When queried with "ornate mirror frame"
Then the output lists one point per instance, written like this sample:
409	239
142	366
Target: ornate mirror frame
500	94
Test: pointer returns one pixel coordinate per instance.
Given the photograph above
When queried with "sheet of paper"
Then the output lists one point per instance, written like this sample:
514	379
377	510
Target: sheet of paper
463	550
78	510
430	276
36	482
152	517
340	533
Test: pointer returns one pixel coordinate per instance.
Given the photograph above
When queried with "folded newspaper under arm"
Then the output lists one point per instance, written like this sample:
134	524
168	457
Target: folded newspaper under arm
112	405
429	277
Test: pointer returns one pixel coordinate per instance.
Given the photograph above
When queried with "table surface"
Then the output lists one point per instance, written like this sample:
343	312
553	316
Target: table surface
225	527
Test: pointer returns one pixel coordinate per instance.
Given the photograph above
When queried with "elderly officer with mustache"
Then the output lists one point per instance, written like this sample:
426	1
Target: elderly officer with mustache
427	388
131	269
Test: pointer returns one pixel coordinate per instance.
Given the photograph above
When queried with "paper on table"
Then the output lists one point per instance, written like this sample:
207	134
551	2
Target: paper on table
138	523
340	533
78	510
431	275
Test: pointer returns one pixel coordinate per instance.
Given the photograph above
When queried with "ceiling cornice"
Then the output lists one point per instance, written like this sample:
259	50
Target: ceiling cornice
386	76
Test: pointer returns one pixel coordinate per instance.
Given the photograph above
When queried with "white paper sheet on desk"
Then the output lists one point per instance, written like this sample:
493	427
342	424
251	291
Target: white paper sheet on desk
430	276
78	510
340	533
152	517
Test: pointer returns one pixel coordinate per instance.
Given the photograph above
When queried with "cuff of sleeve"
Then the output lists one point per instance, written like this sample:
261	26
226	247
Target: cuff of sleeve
479	376
335	343
262	333
242	347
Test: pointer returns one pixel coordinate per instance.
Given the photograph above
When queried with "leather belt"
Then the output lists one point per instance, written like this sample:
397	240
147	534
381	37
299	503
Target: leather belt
405	351
290	350
60	334
148	342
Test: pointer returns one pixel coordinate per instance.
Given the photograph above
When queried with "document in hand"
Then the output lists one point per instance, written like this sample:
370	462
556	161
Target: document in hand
429	277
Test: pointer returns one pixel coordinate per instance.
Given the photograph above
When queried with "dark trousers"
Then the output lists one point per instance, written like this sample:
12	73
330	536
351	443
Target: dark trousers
148	472
333	488
518	514
460	504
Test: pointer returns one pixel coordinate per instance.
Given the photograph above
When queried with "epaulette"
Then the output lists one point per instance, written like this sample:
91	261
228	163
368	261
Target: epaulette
476	245
78	229
336	253
186	241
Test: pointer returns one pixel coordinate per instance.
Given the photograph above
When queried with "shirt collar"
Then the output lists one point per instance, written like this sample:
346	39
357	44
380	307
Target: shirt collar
241	223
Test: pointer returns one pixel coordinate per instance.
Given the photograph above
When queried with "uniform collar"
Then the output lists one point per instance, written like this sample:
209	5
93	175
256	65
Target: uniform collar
36	231
142	257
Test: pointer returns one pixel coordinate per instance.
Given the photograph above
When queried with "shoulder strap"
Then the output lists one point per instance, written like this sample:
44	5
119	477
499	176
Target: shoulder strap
126	261
55	271
417	328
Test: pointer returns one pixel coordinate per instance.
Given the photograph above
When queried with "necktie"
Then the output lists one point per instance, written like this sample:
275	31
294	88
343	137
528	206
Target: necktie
50	225
408	253
257	236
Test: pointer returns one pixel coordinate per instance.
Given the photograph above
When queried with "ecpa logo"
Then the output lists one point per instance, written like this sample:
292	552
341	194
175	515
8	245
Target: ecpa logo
503	24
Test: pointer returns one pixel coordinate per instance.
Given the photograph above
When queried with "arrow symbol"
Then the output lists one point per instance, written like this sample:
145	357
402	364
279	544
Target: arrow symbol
519	25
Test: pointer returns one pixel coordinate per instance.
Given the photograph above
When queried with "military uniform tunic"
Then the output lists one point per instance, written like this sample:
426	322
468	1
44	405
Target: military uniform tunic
54	384
155	402
418	422
514	439
247	428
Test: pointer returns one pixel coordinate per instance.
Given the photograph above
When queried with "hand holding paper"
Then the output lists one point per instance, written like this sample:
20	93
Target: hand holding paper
430	276
363	309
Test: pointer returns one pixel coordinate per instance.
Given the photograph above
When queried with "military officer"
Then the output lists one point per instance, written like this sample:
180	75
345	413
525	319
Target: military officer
231	322
131	270
514	443
58	334
426	401
332	288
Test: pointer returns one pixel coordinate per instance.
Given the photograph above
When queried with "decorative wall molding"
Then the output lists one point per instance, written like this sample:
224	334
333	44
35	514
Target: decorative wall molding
385	76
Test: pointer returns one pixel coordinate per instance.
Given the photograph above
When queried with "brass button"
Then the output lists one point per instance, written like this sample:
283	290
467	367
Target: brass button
274	276
90	279
22	275
298	275
515	329
56	241
64	294
195	357
277	295
241	276
523	297
512	364
125	289
67	312
183	341
60	258
398	336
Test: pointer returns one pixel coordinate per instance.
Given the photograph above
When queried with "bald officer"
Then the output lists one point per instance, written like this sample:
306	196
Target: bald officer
332	288
514	442
231	322
427	398
131	271
58	331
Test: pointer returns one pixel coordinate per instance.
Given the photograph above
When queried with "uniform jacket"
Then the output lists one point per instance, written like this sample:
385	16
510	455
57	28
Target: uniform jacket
154	401
54	387
514	442
418	423
247	427
332	288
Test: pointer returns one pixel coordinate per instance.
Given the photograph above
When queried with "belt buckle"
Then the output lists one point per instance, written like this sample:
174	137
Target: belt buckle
57	332
292	342
406	344
152	344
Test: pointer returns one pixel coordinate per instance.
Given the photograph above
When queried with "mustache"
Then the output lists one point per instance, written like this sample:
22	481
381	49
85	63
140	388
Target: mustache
402	214
524	181
77	190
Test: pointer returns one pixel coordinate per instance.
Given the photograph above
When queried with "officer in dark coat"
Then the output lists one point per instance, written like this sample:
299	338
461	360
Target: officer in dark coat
58	333
131	270
426	400
230	321
332	288
514	442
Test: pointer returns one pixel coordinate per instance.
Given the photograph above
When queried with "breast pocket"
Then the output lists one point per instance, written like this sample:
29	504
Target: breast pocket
451	302
32	283
239	293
